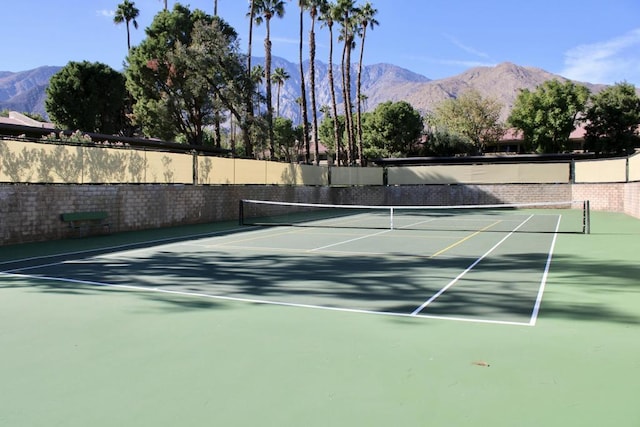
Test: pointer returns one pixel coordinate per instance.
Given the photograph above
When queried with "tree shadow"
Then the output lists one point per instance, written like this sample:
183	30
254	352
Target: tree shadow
197	276
27	162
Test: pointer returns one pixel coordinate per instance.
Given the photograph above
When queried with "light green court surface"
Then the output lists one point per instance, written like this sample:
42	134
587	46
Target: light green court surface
170	333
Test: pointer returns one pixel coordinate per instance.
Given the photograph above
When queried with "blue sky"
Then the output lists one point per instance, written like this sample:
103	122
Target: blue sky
587	40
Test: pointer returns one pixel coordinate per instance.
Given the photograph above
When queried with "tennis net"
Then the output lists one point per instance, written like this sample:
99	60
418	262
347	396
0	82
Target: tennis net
550	217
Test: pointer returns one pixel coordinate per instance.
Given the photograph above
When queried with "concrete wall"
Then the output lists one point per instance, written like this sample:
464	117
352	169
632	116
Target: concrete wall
146	190
32	212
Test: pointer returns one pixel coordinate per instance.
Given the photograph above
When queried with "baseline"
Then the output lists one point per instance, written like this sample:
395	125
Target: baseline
258	301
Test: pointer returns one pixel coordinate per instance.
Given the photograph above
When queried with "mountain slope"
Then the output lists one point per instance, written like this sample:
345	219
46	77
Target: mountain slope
25	91
502	82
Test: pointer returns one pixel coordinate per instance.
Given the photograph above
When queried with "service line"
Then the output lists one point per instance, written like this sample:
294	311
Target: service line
468	269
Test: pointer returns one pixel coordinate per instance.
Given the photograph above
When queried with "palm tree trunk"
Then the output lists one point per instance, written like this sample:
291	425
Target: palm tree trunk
216	130
128	39
358	98
303	93
278	100
267	51
246	138
312	83
334	103
346	92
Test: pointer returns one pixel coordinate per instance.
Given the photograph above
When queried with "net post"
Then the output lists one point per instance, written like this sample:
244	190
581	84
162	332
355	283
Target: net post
391	218
241	212
587	217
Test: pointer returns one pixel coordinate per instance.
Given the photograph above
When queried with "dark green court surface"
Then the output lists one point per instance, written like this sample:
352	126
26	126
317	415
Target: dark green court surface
490	323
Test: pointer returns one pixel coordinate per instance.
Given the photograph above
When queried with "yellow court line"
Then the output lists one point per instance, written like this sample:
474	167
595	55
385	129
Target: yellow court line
464	239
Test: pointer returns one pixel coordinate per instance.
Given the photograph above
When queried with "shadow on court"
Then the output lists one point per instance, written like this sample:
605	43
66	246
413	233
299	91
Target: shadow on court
188	281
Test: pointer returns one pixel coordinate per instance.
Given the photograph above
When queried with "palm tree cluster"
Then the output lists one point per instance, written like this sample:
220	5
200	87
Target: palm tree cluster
347	23
353	22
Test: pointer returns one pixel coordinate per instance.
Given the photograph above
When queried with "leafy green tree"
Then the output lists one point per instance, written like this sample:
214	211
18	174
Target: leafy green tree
185	71
548	115
127	13
215	54
391	130
471	116
326	135
613	119
285	139
87	96
169	102
442	143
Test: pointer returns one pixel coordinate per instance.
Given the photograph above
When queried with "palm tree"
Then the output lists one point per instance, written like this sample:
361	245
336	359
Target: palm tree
366	19
315	7
265	10
347	36
279	77
245	135
328	15
303	90
257	78
127	13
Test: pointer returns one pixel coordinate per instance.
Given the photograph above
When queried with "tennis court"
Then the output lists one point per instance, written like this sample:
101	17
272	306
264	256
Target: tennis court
329	317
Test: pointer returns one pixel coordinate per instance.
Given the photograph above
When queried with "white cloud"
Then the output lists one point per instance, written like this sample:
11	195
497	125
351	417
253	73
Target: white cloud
106	13
466	48
463	63
456	64
608	62
285	40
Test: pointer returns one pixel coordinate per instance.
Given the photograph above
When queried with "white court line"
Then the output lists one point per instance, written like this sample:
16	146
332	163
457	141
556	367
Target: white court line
468	269
543	282
259	301
366	236
126	245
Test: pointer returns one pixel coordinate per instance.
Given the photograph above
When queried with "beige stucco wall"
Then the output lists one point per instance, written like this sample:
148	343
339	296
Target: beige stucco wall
480	174
356	176
614	170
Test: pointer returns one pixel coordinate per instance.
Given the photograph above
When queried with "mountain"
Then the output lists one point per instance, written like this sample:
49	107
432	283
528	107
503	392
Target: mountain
502	82
25	91
378	84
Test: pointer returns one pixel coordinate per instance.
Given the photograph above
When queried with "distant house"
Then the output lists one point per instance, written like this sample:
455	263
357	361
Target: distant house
19	119
513	140
19	125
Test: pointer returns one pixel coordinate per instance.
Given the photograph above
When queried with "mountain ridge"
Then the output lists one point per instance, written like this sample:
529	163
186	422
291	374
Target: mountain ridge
26	91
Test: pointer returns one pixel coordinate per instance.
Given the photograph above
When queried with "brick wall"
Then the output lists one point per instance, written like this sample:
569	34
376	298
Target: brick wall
602	197
632	199
32	212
